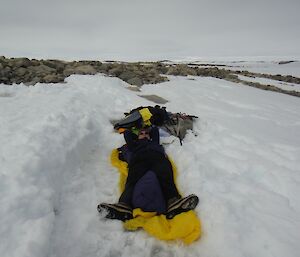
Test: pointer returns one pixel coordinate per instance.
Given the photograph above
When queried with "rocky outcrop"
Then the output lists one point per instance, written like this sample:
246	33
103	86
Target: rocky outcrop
181	70
30	72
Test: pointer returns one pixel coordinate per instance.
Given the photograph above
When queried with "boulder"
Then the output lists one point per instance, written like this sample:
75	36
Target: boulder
20	72
116	71
41	70
82	70
181	70
33	81
127	75
155	79
105	67
59	66
21	62
172	70
136	81
6	71
162	69
53	78
85	69
4	80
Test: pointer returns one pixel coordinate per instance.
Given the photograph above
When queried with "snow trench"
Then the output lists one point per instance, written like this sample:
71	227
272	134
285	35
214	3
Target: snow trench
57	128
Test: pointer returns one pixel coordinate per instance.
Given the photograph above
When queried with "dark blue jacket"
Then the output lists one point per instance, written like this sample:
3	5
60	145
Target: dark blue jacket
138	146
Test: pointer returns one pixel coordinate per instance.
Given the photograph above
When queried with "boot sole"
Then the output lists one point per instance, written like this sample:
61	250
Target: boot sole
183	205
115	211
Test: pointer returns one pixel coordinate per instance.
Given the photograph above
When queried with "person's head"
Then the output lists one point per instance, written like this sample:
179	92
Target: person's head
144	133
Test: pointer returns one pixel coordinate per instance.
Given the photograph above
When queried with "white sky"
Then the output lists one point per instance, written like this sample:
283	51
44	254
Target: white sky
157	29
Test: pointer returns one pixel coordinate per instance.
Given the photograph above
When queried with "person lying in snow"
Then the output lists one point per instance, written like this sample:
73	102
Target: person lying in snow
148	155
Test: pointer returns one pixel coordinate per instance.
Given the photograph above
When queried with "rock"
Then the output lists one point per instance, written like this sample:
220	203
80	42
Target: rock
135	81
172	70
285	62
105	67
134	88
126	75
21	62
155	98
6	71
181	70
20	72
232	77
5	80
116	71
41	70
59	66
33	81
35	62
53	78
85	70
155	80
162	69
68	70
185	70
82	70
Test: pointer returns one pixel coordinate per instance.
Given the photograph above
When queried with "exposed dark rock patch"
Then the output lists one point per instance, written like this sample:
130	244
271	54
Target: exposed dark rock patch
285	62
134	88
155	98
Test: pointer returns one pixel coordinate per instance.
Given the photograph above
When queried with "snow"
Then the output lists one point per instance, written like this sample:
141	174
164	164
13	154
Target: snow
276	83
270	66
242	161
257	64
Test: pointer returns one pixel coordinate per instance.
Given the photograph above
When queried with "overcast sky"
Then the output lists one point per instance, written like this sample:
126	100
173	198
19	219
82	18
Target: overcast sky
145	29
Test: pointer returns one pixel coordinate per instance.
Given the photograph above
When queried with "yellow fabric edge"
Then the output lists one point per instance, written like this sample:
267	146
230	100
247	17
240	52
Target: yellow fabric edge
185	226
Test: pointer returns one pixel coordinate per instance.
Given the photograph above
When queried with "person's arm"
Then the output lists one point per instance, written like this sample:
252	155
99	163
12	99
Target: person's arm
130	139
154	135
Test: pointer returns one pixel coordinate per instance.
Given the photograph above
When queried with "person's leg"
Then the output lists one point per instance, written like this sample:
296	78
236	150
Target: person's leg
123	209
135	172
175	203
162	167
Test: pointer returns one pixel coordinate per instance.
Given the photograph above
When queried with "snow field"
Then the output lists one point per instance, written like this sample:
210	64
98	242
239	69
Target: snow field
242	161
46	132
243	164
279	84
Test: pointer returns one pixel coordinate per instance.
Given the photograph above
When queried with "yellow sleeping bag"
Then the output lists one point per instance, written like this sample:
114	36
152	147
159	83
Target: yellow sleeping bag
185	226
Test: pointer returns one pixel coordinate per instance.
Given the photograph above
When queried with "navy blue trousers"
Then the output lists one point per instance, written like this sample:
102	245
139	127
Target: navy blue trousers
156	162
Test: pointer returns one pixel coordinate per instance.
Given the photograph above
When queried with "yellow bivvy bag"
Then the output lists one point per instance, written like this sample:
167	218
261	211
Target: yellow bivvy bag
184	226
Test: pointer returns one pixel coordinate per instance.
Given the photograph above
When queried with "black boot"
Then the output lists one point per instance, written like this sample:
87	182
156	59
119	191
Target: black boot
117	211
180	205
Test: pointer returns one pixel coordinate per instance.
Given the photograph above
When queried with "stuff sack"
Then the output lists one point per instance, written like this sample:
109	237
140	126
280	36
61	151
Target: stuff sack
147	194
